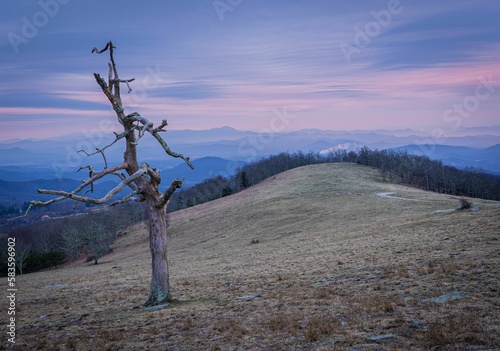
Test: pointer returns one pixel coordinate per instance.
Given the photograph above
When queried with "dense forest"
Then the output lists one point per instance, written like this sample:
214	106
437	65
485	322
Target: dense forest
395	167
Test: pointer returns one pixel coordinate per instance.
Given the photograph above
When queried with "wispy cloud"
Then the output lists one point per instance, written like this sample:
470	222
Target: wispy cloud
33	111
263	55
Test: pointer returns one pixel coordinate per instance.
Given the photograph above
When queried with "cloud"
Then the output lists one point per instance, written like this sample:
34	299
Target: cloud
334	149
263	55
45	111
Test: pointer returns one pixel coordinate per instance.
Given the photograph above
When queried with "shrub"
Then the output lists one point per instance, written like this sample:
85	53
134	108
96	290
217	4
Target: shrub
465	204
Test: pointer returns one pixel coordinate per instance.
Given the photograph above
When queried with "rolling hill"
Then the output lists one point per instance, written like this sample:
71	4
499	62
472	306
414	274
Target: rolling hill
311	259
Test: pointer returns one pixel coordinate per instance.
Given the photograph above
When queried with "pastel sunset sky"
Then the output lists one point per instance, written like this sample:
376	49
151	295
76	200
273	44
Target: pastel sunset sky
201	64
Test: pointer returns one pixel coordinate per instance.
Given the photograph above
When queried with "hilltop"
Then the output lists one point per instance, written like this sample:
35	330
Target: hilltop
308	259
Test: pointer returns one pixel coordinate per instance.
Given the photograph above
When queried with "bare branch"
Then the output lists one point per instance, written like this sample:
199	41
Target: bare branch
128	86
176	184
123	177
160	127
108	44
112	65
98	151
139	173
90	168
91	174
136	117
25	213
110	74
128	198
170	152
104	158
81	187
120	175
100	175
72	195
101	151
145	128
113	72
85	193
115	102
126	81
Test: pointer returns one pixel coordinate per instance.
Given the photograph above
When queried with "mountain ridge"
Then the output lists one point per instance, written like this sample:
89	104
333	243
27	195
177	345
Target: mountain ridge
62	157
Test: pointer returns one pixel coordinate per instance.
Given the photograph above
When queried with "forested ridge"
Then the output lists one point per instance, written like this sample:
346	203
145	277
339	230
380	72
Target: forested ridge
395	167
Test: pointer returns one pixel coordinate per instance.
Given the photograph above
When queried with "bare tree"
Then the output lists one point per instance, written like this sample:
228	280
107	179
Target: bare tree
72	241
22	253
98	241
142	179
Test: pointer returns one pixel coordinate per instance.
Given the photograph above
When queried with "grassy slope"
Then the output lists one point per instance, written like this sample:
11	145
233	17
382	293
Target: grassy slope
318	223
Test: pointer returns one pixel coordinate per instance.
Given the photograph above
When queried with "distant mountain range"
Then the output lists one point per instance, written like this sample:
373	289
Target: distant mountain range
222	151
62	153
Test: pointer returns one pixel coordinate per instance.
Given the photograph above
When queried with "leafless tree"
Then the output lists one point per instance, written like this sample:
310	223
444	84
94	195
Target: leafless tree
22	252
72	241
142	179
97	241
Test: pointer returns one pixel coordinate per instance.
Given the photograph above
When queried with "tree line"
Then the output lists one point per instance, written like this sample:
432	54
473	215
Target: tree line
395	167
8	210
424	173
49	243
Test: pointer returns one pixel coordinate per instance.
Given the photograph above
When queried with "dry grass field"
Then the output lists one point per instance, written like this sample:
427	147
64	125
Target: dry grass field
312	259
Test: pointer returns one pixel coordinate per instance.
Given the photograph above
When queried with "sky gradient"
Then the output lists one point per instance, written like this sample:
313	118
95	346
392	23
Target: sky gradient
252	64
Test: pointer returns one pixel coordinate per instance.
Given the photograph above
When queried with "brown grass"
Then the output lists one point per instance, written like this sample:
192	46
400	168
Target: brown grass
334	261
455	330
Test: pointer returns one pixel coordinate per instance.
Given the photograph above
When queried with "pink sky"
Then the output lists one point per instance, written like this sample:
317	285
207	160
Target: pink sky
426	69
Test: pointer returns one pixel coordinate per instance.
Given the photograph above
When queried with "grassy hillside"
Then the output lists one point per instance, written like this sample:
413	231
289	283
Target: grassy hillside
335	264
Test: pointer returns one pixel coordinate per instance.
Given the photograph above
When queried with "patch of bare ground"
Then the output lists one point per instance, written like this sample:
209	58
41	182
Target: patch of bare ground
310	260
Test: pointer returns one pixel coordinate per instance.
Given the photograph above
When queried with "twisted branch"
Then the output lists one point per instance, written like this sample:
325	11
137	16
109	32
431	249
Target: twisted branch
82	186
128	198
148	126
65	195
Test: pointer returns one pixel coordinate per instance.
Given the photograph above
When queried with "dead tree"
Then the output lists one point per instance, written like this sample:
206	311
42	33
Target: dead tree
142	179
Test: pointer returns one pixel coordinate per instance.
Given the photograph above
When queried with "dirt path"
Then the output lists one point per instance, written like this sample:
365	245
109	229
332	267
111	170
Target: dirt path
477	205
388	195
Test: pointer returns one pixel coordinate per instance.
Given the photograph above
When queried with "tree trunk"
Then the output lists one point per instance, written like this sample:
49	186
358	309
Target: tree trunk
160	288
